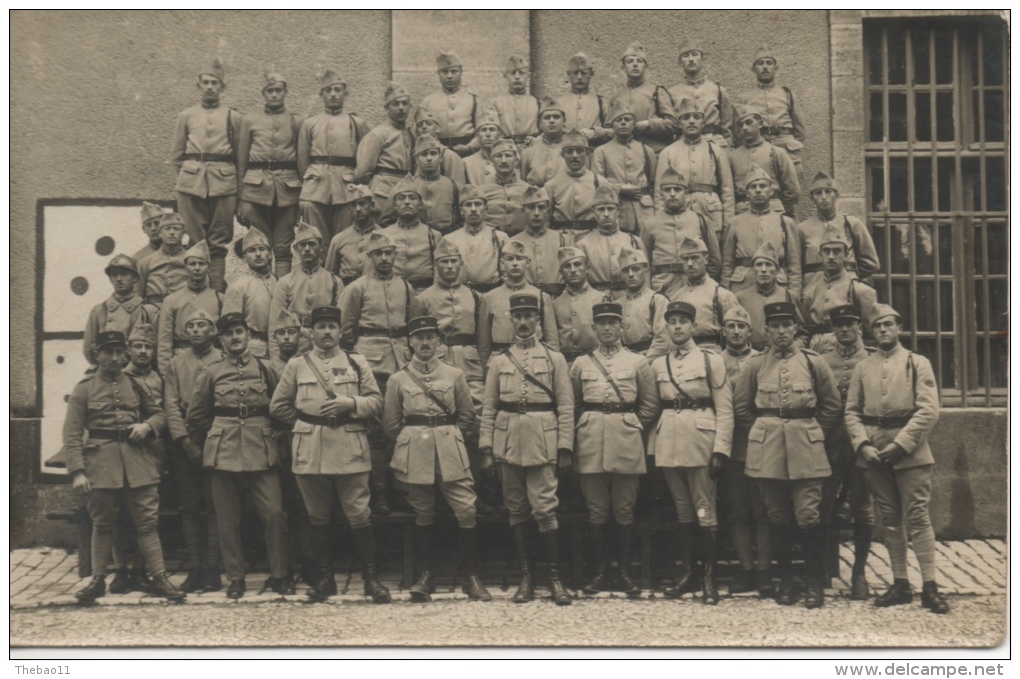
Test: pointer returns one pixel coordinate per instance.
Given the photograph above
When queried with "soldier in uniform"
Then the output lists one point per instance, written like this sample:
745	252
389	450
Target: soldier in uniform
710	299
862	258
755	150
891	408
151	214
603	246
205	154
122	310
251	293
230	408
836	287
425	122
761	224
692	441
455	107
847	480
287	335
630	164
384	155
345	257
479	165
163	272
705	164
111	459
644	310
543	160
766	290
711	98
481	245
573	189
584	110
438	193
326	396
666	230
517	110
542	243
267	168
429	413
528	426
573	307
656	123
615	400
787	400
745	509
514	265
504	192
415	241
172	337
327	150
777	106
194	489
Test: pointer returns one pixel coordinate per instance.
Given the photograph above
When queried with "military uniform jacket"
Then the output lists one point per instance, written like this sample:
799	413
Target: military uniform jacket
644	323
775	161
144	252
425	454
452	166
747	232
574	319
501	326
543	266
897	383
714	101
416	246
706	166
652	103
480	251
456	112
842	361
206	129
528	439
329	134
603	250
114	314
734	362
97	403
542	161
572	196
462	314
711	301
754	300
687	437
370	308
251	294
439	200
269	136
301	291
318	449
662	236
162	273
479	168
170	330
786	448
607	441
630	163
503	209
862	259
585	112
235	444
518	114
778	107
179	387
387	147
823	294
346	256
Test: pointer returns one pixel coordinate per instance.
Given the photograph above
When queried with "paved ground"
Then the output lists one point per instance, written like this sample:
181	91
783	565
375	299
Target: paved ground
43	613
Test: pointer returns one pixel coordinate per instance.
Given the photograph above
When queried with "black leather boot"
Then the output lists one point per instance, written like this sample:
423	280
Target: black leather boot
421	591
789	592
194	581
121	583
685	569
364	539
600	581
380	503
709	591
472	584
625	535
161	586
140	580
212	582
859	588
932	599
560	595
816	552
325	583
526	590
899	593
92	591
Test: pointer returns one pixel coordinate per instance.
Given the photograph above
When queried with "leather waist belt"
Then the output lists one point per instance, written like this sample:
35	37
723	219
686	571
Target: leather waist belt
602	286
668	268
428	420
392	333
749	261
576	224
639	347
690	403
572	355
702	188
460	340
777	130
181	343
456	141
241	411
109	434
482	287
886	422
788	413
608	407
713	129
817	267
342	161
154	299
332	422
525	407
211	157
258	335
501	346
272	165
390	171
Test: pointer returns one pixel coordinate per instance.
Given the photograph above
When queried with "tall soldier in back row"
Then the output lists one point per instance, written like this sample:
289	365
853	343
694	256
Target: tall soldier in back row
346	256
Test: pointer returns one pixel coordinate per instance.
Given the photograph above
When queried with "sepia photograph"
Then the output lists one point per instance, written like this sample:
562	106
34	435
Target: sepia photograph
403	332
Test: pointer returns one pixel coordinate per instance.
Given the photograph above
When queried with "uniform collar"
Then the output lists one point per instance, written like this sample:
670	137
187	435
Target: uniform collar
765	211
241	360
583	289
527	230
261	276
171	253
130	369
633	85
210	107
693	142
208	348
425	367
447	286
129	304
847	352
839	275
764	292
416	224
325	353
509	182
685	348
739	354
379	277
696	82
756	144
528	342
453	91
639	294
201	287
108	379
367	230
578	175
550	143
616	229
696	283
765	86
889	354
334	113
315	269
513	286
611	350
275	112
580	94
829	217
784	353
626	144
474	230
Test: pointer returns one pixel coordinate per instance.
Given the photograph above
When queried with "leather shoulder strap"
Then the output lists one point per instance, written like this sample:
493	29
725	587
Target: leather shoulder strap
602	369
330	394
529	377
428	392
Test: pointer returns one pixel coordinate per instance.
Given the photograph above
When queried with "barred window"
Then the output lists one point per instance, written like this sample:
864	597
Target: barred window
937	178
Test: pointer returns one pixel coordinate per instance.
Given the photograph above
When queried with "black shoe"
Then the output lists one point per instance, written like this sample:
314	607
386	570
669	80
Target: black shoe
279	585
709	591
859	589
526	590
815	597
379	504
236	589
140	581
378	592
789	592
745	582
598	583
897	595
320	591
121	583
932	599
483	508
92	591
473	587
560	595
681	583
308	574
212	581
194	582
766	590
627	584
161	586
421	590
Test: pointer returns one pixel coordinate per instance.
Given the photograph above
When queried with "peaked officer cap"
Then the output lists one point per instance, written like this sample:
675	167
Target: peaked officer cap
271	77
691	245
823	180
358	191
777	310
618	107
143	332
446	248
580	62
324	313
516	62
534	194
569	254
766	251
171	218
394	91
834	234
737	314
763	52
379	241
407	184
286	319
305	231
605	195
330	77
503	145
756	174
422	324
121	262
670	177
688	105
844	312
231	319
636	49
108	338
880	311
192	312
551	104
606	310
523	301
425	142
471	192
447	59
199	250
690	45
253	238
215	69
488	117
515	248
574	139
684	309
151	211
629	257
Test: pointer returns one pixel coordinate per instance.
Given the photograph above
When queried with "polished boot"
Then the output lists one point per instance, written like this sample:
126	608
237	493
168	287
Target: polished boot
816	551
217	273
898	594
859	589
121	583
625	535
161	586
92	591
380	503
283	586
684	572
472	584
194	581
526	590
560	595
212	581
325	583
709	591
236	589
789	592
600	581
423	588
932	599
140	580
364	539
744	582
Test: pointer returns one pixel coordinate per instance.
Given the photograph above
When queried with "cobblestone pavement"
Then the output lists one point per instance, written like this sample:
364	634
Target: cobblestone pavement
973	572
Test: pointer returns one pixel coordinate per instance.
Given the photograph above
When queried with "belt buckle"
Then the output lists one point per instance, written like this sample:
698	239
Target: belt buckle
331	421
607	407
242	411
433	420
522	407
677	405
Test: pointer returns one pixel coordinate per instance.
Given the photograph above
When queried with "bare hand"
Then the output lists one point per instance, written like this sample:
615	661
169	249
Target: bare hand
336	407
630	191
892	454
139	431
716	464
461	149
488	465
190	449
641	126
588	133
870	455
80	483
563	458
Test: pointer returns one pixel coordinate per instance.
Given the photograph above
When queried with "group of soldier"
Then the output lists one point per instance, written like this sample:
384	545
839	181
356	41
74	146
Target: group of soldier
486	307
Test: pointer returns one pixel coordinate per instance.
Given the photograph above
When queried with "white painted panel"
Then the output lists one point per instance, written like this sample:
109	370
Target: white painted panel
63	366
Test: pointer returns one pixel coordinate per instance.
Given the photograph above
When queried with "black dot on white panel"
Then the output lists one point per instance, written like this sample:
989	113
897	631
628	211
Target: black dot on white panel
60	359
105	246
67	398
79	285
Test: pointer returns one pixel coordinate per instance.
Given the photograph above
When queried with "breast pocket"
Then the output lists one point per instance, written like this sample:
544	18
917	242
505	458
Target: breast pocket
693	382
803	392
223	392
626	382
508	381
306	389
768	395
666	389
346	383
591	386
